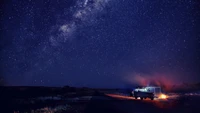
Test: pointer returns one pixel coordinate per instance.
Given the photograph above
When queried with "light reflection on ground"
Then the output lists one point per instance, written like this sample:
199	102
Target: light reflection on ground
169	97
159	102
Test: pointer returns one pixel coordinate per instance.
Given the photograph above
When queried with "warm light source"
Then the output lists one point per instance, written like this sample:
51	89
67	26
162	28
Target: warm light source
163	96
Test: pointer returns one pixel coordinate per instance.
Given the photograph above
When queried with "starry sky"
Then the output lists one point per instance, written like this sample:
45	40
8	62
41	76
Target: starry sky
99	43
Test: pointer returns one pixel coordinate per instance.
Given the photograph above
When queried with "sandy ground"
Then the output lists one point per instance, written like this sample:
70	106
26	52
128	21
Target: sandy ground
126	104
119	103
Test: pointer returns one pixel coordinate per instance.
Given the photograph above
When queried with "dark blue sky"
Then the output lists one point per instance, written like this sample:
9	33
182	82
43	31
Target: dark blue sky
99	43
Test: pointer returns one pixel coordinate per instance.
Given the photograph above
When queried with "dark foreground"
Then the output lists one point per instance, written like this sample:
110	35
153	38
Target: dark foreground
124	104
101	102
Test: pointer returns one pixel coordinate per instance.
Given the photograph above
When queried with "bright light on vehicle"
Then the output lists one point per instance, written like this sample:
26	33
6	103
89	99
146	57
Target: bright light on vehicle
163	96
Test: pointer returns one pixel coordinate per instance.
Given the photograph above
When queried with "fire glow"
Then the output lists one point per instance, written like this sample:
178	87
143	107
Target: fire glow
163	96
166	81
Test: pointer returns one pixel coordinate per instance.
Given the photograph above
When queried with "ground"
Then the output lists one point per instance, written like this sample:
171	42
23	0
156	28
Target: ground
98	101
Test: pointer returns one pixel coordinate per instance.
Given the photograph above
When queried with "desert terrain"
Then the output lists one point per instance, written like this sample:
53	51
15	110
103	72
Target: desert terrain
86	100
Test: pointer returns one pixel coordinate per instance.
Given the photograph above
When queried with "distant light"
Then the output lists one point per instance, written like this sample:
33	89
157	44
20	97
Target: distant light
163	96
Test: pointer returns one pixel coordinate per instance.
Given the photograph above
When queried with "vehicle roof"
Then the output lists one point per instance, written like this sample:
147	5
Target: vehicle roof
153	86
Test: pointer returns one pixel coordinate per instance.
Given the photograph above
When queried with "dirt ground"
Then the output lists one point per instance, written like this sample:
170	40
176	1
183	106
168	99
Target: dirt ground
126	104
115	103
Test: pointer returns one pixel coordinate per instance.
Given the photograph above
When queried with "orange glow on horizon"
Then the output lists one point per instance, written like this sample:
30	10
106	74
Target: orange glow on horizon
167	82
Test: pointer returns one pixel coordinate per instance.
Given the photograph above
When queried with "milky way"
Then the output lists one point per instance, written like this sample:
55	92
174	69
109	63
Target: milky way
83	12
99	43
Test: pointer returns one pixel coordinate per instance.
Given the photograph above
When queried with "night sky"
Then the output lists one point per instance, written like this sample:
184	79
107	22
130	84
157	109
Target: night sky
99	43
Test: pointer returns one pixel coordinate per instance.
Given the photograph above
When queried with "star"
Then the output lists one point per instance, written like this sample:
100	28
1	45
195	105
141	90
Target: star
93	42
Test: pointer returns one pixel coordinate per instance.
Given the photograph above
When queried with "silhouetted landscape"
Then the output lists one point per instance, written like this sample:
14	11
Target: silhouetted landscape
22	99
